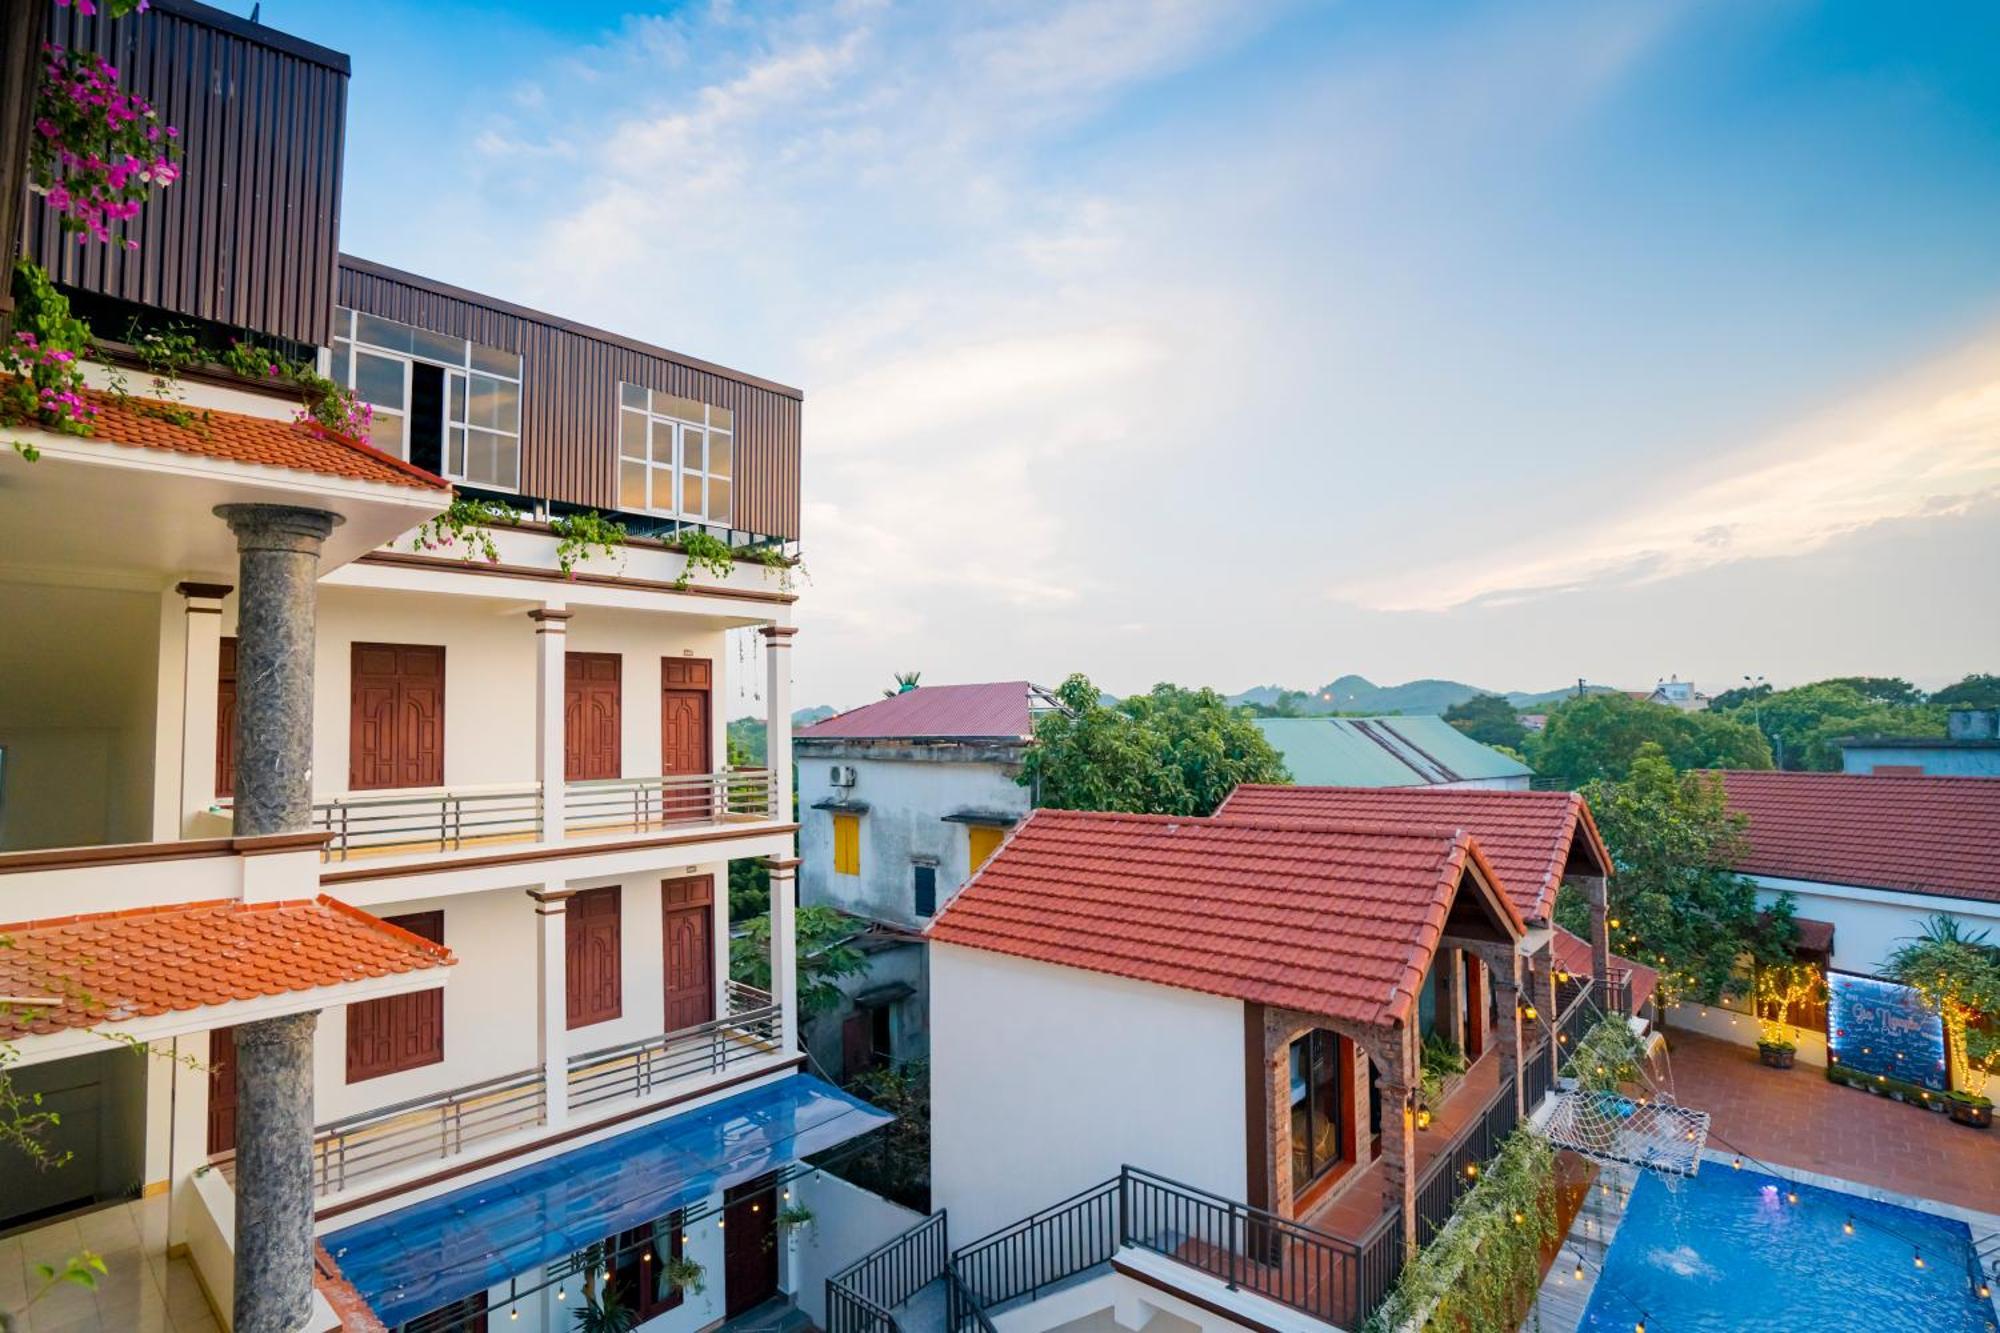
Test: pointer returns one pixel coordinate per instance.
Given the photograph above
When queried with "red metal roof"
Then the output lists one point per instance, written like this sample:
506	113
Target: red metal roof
1917	834
995	711
1526	835
1334	920
112	967
240	438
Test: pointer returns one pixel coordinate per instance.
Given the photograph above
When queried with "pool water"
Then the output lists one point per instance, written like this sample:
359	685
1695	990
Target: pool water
1726	1251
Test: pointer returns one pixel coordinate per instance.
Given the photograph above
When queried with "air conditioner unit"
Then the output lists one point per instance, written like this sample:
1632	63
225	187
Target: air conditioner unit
842	775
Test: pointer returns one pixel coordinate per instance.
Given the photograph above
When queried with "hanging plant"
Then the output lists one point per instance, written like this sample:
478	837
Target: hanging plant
467	522
44	360
685	1275
581	536
794	1215
702	550
96	152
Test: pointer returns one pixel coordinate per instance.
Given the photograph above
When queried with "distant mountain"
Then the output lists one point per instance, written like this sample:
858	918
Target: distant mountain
1358	694
805	717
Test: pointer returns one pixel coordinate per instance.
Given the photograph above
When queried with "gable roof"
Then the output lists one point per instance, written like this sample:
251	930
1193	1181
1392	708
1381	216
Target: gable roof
1340	920
237	437
1525	835
1383	751
109	967
1878	831
994	711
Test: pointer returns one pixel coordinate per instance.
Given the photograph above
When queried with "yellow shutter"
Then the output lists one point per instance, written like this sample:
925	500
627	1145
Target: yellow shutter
847	844
984	840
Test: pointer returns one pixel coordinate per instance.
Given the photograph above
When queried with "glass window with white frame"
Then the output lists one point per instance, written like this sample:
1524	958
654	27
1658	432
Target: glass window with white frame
676	456
443	403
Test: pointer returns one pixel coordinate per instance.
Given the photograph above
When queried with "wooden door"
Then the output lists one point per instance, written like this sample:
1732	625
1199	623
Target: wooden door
592	716
225	720
593	962
684	734
687	908
750	1246
396	732
398	1032
221	1090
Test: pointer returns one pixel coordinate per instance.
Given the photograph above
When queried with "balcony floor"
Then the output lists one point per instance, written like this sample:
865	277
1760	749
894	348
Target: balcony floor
1358	1205
144	1291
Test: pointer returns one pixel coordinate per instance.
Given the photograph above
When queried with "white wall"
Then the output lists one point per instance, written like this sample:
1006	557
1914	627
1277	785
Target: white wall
908	800
1870	924
848	1222
1045	1080
541	1312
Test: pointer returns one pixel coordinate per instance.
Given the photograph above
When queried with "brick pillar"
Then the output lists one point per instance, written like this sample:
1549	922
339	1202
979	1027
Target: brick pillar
1278	1128
1357	1101
1399	1133
1596	888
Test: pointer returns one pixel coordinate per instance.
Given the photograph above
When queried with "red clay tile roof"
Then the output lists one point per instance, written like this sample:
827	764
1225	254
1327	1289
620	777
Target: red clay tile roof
1572	955
996	711
1526	835
1331	920
116	966
1916	834
239	438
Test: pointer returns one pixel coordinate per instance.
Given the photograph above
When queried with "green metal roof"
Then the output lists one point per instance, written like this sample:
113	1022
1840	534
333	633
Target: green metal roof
1383	752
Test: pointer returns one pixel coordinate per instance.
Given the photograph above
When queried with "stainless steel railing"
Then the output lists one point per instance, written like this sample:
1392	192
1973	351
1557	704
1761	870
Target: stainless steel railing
642	804
440	818
637	1068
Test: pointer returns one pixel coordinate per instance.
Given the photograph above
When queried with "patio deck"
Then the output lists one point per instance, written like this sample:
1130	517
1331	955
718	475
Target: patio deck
1357	1206
1796	1118
143	1292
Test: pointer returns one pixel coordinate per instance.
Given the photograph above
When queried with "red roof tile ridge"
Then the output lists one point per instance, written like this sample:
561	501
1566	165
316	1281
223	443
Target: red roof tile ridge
382	456
116	914
376	923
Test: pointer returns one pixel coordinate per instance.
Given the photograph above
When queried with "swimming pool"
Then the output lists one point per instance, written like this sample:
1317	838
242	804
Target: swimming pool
1727	1251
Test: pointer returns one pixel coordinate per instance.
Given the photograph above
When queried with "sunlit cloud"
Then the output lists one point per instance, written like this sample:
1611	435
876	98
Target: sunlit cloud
1925	446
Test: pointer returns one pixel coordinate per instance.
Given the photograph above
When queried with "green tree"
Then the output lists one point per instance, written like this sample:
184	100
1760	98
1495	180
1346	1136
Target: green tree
1730	700
1805	722
1678	903
1975	691
896	1163
1891	690
1490	720
1597	737
1957	974
1171	751
826	953
905	682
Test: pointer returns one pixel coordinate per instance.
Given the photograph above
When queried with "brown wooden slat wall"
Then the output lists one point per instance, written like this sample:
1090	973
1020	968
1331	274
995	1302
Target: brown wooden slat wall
569	396
249	234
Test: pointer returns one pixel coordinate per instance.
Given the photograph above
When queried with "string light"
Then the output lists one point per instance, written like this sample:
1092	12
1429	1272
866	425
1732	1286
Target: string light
1791	1196
1848	1225
562	1293
1579	1270
1471	1170
514	1313
1736	1164
1920	1258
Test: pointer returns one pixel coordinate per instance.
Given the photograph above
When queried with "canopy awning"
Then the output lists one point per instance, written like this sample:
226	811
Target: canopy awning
415	1259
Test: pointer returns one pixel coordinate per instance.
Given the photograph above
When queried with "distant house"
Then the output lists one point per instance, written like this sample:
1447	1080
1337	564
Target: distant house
1970	748
1416	751
1534	721
1869	860
1673	692
899	802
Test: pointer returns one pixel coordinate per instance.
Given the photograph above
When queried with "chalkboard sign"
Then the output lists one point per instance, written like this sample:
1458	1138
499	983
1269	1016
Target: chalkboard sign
1879	1027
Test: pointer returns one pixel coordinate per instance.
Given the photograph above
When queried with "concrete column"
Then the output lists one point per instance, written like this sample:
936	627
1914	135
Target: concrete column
201	666
274	1184
785	949
551	667
778	716
552	1013
278	551
1399	1133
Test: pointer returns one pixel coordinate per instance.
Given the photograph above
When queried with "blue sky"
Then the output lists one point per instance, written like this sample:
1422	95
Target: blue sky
1233	343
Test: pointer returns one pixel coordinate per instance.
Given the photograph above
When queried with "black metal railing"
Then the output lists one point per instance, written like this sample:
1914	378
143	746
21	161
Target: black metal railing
1455	1170
1051	1246
962	1311
862	1297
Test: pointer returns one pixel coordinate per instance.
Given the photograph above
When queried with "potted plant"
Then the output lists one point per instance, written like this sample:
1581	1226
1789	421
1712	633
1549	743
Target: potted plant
1957	975
684	1275
794	1216
1779	986
1438	1069
605	1314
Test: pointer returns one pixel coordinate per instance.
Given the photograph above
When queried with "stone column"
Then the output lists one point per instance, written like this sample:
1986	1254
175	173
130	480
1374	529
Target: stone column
201	668
1503	970
778	716
1543	978
278	564
552	1013
274	1180
1597	890
551	668
1278	1110
785	949
1397	1083
278	548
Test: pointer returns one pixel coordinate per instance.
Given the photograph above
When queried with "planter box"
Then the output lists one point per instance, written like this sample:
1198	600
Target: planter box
1971	1113
1776	1057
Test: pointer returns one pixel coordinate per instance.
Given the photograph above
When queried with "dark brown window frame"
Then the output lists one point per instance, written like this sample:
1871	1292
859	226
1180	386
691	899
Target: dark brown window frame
401	1015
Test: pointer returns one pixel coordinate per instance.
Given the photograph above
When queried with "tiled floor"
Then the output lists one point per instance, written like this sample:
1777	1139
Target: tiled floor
143	1292
1796	1118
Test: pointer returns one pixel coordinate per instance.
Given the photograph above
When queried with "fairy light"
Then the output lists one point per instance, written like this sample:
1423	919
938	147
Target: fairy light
1579	1270
1736	1164
514	1313
562	1292
1920	1258
1848	1225
1471	1170
1791	1196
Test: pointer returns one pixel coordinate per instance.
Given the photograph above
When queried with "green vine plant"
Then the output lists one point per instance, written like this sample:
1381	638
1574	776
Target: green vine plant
794	1215
43	360
582	536
1481	1271
468	524
79	1270
166	353
685	1275
1606	1058
703	550
790	570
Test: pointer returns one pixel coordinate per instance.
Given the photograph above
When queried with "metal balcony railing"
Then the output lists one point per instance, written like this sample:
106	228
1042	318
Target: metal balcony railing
440	818
444	1124
638	1068
617	805
863	1297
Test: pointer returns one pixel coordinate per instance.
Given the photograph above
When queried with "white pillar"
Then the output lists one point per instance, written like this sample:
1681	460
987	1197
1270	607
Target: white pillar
778	716
552	1014
551	664
201	667
785	948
